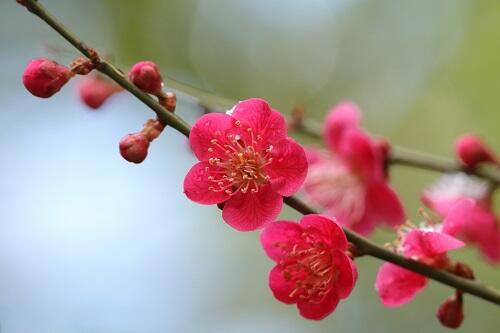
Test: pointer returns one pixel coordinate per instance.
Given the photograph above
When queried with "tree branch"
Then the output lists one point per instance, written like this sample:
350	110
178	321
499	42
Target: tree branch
364	245
410	158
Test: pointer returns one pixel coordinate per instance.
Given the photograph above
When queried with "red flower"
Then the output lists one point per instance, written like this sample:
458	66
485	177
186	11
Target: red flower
312	269
427	244
349	182
475	223
246	162
95	90
471	151
44	77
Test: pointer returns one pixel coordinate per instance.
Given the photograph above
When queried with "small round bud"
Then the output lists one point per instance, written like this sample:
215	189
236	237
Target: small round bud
95	90
44	77
146	76
134	147
471	151
451	313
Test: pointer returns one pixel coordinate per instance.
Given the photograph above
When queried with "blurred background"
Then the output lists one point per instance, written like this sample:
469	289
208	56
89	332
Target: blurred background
91	243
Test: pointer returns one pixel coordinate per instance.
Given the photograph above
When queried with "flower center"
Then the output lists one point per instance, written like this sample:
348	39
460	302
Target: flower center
310	269
336	188
241	168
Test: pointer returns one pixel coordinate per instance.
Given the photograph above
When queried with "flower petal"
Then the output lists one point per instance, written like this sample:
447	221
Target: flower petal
288	170
421	244
383	204
250	211
342	116
278	238
318	310
331	230
281	288
397	286
196	185
362	154
264	121
348	273
458	215
207	127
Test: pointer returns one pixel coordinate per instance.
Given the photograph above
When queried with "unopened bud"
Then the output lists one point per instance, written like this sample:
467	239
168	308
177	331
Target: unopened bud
471	151
95	90
44	77
134	147
451	313
146	76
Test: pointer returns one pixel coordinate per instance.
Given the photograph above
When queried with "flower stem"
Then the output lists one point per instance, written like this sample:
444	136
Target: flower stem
364	246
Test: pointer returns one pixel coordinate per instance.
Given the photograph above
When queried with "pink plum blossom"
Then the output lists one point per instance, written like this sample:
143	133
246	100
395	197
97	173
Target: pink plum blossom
349	180
247	164
475	223
312	268
426	244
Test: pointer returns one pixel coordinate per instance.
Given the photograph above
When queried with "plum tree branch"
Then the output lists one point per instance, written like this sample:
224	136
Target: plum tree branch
407	157
364	246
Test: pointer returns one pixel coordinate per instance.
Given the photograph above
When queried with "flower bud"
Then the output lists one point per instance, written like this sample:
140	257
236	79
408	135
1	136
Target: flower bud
95	90
44	77
451	313
471	151
134	147
146	76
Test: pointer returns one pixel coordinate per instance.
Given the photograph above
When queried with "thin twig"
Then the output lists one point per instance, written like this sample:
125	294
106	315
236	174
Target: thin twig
364	246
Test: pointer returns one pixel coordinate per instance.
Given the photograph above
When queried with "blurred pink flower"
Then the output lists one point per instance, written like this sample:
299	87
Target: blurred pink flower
349	181
247	162
94	90
312	268
475	223
428	245
471	151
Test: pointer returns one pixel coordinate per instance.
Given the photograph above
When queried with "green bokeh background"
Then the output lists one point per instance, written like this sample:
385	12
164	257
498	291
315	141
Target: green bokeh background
423	72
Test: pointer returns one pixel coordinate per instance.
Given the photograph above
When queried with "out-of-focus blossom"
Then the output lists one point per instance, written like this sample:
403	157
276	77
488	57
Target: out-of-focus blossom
94	90
472	151
312	268
247	162
475	224
349	180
